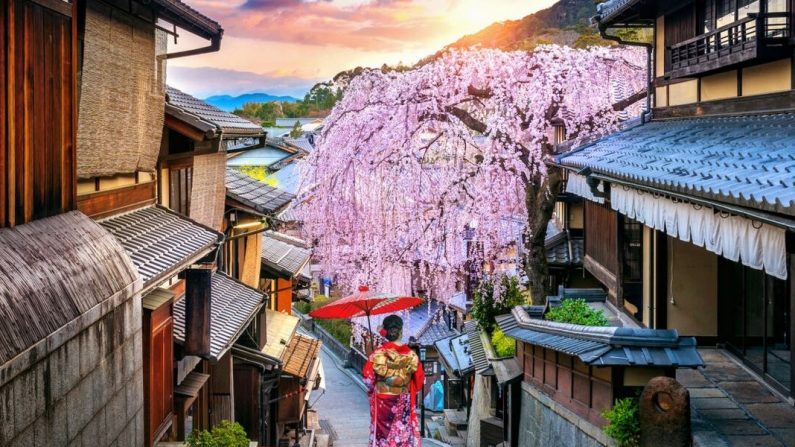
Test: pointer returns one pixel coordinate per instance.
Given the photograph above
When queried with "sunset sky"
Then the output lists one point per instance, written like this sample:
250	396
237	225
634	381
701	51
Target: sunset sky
285	46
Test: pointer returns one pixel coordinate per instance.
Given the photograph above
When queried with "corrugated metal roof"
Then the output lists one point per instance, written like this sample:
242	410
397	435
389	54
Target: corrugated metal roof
744	160
284	254
479	358
279	328
253	193
232	306
161	242
231	125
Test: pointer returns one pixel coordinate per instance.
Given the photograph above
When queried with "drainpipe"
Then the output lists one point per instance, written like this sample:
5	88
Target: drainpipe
215	45
646	115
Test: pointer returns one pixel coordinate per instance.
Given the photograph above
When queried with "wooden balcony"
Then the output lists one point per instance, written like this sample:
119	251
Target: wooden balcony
756	37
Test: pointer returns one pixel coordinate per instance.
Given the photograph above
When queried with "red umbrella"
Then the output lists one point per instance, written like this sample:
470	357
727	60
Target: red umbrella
364	303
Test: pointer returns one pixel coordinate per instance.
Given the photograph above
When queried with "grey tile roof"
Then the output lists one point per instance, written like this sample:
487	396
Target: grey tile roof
611	8
232	306
196	21
456	354
183	105
563	250
302	143
479	357
255	194
265	156
747	160
161	242
604	346
284	254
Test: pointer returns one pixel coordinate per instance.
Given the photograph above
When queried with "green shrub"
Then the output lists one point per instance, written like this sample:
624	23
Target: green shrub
225	434
339	329
504	346
485	307
577	311
623	422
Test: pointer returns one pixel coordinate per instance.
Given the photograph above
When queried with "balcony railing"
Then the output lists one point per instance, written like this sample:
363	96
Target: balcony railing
757	36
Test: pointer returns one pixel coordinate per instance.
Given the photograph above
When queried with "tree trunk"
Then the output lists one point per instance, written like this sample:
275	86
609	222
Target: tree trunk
541	196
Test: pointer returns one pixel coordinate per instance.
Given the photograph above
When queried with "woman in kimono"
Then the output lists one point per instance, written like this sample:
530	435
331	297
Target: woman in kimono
393	374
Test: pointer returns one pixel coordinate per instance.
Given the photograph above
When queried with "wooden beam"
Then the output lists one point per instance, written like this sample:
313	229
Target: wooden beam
769	103
106	203
184	129
198	290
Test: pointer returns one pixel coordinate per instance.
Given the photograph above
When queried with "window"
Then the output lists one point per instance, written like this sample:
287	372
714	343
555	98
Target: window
180	182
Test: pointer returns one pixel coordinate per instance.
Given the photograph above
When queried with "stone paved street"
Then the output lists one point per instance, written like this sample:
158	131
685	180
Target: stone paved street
730	408
344	405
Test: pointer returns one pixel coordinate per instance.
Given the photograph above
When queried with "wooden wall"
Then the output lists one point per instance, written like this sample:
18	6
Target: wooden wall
601	235
37	109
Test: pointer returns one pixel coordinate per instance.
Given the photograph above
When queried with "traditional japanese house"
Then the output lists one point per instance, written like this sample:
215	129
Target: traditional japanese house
457	370
690	217
78	346
251	205
571	373
494	409
285	263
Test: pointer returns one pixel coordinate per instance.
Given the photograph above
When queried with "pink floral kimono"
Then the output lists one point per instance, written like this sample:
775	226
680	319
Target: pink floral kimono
393	375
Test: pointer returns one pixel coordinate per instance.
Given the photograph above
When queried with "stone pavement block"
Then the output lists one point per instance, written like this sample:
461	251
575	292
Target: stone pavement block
778	415
754	441
725	372
692	378
713	403
733	427
706	392
724	413
749	392
785	434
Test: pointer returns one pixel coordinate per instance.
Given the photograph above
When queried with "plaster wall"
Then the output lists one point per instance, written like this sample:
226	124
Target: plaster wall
719	86
692	301
768	78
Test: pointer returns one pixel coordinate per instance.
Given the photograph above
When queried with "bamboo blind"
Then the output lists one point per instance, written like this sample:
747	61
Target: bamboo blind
122	96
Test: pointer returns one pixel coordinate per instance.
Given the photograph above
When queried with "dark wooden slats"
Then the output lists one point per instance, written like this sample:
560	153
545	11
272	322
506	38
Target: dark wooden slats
601	238
38	131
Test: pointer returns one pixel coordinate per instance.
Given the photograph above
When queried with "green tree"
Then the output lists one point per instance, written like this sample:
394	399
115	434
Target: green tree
485	307
577	311
296	132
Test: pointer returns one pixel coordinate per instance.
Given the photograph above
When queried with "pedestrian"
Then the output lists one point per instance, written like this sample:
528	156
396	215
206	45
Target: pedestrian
393	374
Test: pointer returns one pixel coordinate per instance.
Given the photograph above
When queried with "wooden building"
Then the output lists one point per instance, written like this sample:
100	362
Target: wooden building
690	217
74	338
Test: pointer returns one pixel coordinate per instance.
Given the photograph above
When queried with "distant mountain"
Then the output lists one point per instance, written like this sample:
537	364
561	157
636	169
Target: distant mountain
229	103
567	22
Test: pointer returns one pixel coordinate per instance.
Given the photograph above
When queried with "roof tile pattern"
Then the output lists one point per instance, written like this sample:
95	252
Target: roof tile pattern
160	242
563	251
284	254
225	121
478	352
746	160
254	193
232	306
604	346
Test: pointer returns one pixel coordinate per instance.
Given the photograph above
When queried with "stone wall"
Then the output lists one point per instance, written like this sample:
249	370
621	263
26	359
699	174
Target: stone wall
89	391
544	423
479	409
